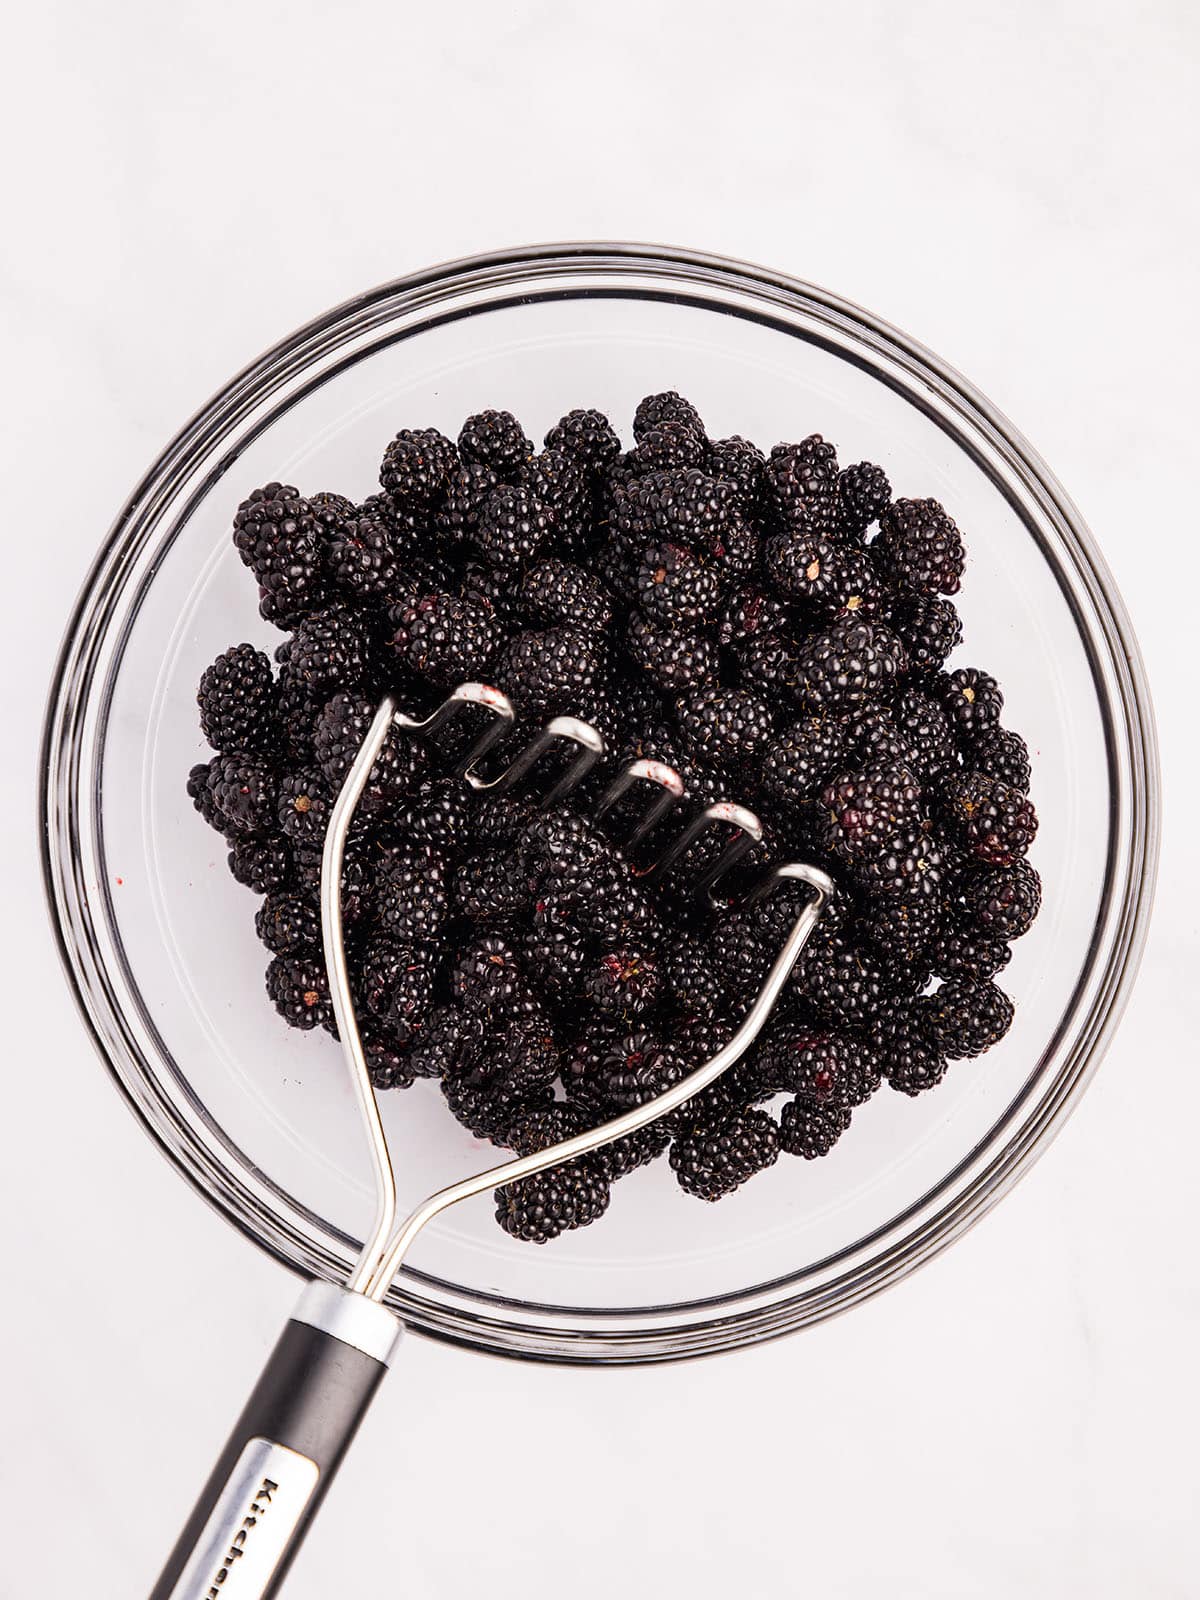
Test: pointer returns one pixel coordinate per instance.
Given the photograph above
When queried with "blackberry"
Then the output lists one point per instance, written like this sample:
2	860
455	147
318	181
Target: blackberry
416	468
931	629
482	585
911	866
740	958
972	700
965	1019
547	672
693	509
996	824
925	736
655	409
288	925
358	879
965	952
341	729
674	661
635	1067
448	640
821	1068
740	464
363	557
634	1150
303	808
559	482
810	1130
620	912
736	551
263	865
388	1064
864	494
330	510
911	1063
242	789
748	613
280	540
826	575
395	983
491	887
298	710
489	1110
237	698
606	712
665	448
487	975
860	811
852	663
674	587
437	812
918	548
558	846
512	527
200	793
841	981
769	663
299	991
617	570
411	899
1002	901
333	649
588	436
902	930
514	1059
536	1130
558	592
623	983
713	1164
555	959
500	819
446	1037
692	977
468	490
495	439
729	726
1002	754
541	1207
801	484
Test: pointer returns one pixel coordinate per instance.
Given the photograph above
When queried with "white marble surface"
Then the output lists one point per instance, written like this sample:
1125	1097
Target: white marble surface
1014	185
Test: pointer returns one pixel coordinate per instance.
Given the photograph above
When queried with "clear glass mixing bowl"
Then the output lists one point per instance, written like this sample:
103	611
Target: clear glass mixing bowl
158	939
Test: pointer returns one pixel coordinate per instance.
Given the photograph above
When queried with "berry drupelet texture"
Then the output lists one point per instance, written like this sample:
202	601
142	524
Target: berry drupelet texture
777	629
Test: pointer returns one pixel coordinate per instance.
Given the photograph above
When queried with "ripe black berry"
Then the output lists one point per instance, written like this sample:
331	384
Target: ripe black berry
713	1164
918	548
237	700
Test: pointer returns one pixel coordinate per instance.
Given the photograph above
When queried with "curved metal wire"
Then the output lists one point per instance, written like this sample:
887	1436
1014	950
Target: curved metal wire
507	1172
386	1245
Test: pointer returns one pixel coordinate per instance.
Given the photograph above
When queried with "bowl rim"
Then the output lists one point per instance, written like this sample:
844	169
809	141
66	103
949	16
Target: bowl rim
550	1337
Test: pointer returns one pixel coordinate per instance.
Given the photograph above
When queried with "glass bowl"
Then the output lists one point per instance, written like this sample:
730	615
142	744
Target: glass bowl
158	939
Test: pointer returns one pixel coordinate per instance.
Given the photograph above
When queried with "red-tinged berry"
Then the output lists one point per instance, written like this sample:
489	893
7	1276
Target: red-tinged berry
994	823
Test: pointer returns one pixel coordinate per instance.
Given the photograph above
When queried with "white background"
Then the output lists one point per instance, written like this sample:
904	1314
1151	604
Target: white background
1016	186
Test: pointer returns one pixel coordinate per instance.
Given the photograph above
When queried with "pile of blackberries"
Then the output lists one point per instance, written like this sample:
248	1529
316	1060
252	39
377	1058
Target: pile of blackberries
776	629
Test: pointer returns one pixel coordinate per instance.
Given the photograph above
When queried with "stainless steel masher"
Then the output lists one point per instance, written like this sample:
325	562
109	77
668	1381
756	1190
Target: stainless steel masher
288	1442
